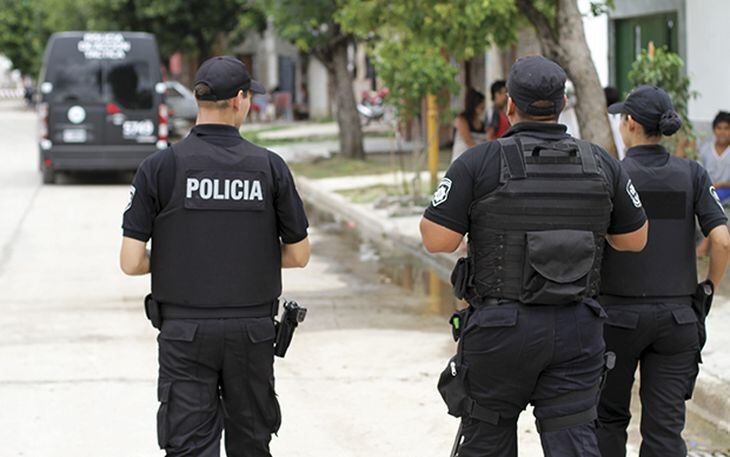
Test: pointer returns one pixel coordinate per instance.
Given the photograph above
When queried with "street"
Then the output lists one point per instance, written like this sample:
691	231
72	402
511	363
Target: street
79	371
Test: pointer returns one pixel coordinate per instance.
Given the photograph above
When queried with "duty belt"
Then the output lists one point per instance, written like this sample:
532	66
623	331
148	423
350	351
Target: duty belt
175	311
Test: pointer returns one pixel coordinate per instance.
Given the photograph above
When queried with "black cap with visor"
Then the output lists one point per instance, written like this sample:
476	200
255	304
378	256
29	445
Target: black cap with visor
225	76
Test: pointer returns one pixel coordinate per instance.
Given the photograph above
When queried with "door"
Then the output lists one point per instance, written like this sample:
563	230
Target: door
634	34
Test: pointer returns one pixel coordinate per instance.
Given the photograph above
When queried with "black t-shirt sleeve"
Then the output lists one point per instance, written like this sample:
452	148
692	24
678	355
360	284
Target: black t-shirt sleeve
708	209
151	190
628	213
140	213
471	177
291	218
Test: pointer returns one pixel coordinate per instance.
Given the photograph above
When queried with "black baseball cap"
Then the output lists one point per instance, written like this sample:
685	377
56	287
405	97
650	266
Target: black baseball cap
647	105
537	79
225	76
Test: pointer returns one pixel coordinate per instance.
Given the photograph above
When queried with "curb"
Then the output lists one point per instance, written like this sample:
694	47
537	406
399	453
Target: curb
372	228
711	398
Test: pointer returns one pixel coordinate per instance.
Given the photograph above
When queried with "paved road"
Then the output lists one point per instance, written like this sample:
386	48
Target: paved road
79	359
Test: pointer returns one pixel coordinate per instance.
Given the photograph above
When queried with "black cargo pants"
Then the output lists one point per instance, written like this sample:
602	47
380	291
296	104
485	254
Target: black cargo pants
217	374
517	354
662	339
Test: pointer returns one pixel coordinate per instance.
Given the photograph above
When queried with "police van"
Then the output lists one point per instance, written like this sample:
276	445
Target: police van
101	102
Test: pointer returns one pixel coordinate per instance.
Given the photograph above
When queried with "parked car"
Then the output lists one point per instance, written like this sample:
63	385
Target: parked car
181	102
101	102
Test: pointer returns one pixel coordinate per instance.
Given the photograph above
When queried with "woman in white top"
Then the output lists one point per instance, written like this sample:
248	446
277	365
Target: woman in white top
469	126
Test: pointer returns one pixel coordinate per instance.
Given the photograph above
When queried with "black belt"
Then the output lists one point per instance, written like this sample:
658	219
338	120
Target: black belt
170	311
608	300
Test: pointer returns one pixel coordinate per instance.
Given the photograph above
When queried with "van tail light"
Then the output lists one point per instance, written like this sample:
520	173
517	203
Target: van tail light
112	108
162	130
43	121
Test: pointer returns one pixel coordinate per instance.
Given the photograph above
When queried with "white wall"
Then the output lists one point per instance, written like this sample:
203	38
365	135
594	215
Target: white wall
708	64
596	32
317	81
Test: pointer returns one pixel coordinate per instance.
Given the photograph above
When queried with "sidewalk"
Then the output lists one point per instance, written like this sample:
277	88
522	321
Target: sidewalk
711	399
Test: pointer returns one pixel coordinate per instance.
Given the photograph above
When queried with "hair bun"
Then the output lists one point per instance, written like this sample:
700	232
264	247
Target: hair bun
669	123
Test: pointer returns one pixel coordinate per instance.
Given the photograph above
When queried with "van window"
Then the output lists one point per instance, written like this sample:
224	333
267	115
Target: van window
78	82
130	85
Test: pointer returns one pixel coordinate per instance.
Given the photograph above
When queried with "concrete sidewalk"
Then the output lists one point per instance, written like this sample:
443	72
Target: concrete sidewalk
712	393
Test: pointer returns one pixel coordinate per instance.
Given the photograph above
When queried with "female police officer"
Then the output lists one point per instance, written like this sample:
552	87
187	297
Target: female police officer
648	295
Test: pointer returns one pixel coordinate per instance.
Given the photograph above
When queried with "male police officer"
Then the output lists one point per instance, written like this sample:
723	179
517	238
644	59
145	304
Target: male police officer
648	296
224	217
538	207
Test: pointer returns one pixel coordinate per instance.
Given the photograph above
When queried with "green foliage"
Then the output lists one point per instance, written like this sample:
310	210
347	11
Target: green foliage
198	27
308	24
415	42
664	70
21	37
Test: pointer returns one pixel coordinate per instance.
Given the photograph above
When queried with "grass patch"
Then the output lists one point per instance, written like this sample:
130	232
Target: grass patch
370	194
374	164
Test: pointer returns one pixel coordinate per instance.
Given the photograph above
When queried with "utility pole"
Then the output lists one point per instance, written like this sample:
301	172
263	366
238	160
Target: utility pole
433	138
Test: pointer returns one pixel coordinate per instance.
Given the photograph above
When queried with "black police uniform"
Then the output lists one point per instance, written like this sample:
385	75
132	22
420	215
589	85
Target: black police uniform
648	297
536	227
216	208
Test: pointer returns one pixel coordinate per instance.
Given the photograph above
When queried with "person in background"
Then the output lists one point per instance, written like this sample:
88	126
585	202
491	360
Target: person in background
614	96
469	127
498	122
714	156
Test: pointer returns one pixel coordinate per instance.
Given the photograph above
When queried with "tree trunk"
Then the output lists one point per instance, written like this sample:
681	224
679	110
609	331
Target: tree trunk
348	119
565	43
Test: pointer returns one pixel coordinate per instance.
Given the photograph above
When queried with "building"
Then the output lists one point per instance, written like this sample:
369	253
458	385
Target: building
697	30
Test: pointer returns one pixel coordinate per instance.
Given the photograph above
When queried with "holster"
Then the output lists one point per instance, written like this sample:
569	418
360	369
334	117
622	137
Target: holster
462	278
291	317
152	310
701	304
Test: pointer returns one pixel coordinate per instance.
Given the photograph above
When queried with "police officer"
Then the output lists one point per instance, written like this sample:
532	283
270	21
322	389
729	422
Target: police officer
224	218
538	206
649	295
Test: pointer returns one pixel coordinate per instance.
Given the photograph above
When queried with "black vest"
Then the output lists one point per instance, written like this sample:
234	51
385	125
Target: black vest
667	266
216	243
539	237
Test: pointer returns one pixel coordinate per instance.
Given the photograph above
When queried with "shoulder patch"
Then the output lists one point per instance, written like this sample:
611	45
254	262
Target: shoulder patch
442	192
132	191
713	192
631	190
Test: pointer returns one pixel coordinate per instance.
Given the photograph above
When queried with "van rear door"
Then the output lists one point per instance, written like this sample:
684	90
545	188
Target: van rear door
77	113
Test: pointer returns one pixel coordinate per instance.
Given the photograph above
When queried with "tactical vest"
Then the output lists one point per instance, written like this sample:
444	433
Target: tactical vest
667	266
539	237
216	243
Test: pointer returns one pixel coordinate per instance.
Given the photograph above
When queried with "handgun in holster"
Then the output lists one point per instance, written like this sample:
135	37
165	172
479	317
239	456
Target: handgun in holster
291	317
152	310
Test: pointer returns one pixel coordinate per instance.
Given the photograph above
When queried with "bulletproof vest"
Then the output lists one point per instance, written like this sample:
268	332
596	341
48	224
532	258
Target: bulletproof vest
216	244
539	237
667	266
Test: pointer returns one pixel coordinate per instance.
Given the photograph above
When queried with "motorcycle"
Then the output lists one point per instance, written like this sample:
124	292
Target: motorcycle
372	106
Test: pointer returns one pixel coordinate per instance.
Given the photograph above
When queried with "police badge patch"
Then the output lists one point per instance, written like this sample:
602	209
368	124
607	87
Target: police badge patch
132	191
631	190
713	192
442	192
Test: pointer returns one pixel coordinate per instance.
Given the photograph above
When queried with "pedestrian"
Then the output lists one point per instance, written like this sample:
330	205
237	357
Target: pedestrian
715	155
649	296
224	217
498	121
469	128
538	206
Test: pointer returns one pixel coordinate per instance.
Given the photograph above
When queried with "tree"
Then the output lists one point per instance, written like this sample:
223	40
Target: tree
311	26
414	41
559	26
19	40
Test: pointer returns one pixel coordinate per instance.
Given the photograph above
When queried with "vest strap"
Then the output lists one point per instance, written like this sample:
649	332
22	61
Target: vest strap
514	158
587	158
